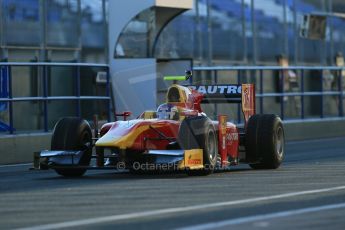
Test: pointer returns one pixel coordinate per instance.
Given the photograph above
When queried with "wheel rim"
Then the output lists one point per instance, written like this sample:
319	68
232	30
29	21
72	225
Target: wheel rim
85	139
280	141
85	146
211	145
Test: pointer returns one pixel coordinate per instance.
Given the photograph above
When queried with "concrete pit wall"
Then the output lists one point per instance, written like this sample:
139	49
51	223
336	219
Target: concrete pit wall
20	148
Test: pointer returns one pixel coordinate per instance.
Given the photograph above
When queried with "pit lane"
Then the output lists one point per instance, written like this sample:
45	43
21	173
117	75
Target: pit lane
43	200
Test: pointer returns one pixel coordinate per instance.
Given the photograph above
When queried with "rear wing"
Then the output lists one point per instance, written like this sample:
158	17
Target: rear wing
243	94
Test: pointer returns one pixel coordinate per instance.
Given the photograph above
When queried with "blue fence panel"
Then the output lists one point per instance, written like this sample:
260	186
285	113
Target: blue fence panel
3	86
7	101
4	93
281	94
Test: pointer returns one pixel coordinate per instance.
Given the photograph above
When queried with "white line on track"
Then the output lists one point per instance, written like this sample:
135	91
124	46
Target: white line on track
113	218
248	219
15	165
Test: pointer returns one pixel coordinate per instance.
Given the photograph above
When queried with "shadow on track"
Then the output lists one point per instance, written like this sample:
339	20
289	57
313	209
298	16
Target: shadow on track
126	175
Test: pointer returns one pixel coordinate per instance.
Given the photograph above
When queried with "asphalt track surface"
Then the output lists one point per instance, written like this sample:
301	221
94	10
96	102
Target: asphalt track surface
307	192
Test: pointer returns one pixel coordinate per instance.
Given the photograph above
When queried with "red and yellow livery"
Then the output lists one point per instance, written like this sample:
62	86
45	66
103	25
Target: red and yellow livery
178	135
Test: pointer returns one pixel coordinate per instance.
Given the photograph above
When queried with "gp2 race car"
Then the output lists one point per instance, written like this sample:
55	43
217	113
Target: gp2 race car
177	136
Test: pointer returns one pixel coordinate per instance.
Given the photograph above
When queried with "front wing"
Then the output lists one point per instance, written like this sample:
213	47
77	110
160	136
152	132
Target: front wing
178	159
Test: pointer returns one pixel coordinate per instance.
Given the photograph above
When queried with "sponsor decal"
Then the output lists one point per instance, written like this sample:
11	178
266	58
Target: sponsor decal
217	89
222	123
246	97
194	161
232	137
193	158
222	131
248	102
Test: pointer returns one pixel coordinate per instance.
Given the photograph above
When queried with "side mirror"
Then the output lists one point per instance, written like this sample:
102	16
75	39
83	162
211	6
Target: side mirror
124	115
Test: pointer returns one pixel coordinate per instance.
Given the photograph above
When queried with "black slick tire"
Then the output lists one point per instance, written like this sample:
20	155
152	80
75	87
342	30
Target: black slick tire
265	141
199	133
71	133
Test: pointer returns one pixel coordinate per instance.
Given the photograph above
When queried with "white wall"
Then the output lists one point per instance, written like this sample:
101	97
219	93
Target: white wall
134	80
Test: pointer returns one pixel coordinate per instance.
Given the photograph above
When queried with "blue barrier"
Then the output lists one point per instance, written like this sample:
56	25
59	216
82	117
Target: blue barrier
7	100
4	93
3	87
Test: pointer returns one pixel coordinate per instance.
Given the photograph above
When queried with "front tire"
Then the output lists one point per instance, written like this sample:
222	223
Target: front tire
71	133
199	133
265	141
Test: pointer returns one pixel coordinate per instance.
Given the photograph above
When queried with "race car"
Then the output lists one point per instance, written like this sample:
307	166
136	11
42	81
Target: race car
177	136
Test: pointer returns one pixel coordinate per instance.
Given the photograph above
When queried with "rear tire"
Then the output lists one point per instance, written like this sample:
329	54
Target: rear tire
71	133
199	133
265	141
